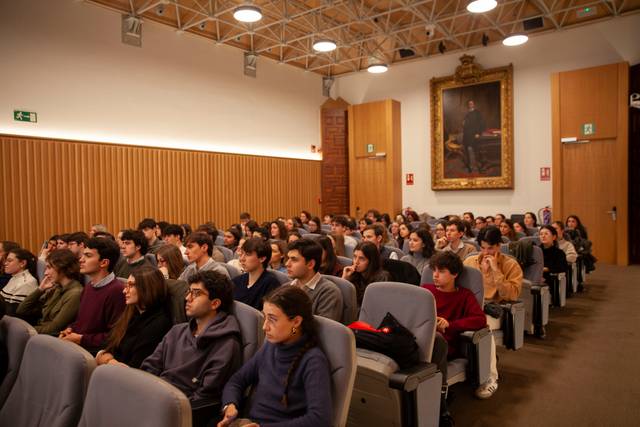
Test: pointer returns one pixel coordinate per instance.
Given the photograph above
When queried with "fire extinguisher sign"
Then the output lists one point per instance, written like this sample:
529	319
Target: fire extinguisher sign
545	174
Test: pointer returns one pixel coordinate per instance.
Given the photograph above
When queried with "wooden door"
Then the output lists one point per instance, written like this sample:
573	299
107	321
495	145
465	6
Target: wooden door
591	172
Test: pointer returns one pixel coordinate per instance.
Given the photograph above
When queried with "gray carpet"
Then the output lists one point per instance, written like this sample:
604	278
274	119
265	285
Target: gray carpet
585	373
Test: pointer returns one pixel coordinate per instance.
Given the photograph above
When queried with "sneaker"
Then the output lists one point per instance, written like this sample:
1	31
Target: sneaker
487	389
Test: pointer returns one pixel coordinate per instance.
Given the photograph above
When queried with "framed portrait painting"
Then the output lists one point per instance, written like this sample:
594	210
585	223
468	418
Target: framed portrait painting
472	128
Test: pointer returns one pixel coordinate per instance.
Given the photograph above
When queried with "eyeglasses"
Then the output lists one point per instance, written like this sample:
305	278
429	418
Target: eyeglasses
194	293
129	285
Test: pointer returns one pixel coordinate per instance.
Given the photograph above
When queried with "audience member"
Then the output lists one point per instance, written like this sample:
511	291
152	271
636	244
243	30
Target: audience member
520	227
440	230
366	268
232	238
54	304
374	233
490	220
170	261
468	216
102	301
329	264
5	247
21	265
293	236
47	247
133	249
453	240
95	228
530	220
143	323
289	376
305	217
363	223
199	250
277	230
174	235
339	227
404	232
480	223
498	219
77	242
314	225
507	230
338	243
555	261
278	255
566	246
303	266
148	228
251	287
574	223
421	249
63	241
327	219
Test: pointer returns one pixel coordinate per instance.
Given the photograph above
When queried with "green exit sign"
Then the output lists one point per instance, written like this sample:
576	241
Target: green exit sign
588	129
25	116
370	148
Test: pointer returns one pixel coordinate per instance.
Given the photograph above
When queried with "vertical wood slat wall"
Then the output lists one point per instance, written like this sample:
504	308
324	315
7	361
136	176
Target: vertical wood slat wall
53	186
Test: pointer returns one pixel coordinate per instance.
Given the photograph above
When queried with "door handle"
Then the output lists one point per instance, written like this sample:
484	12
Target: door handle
614	213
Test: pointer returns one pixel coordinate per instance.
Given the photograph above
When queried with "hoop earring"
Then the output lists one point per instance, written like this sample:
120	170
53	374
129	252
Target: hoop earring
293	330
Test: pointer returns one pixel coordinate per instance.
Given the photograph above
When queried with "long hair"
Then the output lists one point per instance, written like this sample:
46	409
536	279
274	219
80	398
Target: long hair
293	302
24	255
338	243
152	292
282	230
511	235
65	263
579	226
427	241
173	257
330	261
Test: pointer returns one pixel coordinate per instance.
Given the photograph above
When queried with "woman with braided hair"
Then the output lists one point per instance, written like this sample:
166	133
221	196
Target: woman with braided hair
289	374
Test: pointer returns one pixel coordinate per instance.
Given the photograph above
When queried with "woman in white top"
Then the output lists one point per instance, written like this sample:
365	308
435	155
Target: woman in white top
21	265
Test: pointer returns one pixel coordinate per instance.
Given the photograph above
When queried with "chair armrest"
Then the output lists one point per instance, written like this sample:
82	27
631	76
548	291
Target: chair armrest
409	378
474	337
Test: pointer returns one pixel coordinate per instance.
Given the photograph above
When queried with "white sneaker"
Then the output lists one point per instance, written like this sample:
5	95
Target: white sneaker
487	389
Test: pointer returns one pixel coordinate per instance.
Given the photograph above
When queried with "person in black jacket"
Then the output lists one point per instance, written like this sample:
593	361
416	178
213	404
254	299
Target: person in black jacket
555	260
366	268
144	322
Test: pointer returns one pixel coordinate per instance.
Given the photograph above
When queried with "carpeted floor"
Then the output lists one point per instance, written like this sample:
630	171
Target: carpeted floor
585	373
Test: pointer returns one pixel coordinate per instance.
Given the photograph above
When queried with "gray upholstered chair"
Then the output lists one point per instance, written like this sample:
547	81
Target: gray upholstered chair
348	250
54	372
124	397
345	261
219	241
312	236
385	395
40	267
228	253
152	259
349	298
177	292
233	272
250	321
339	345
14	333
282	277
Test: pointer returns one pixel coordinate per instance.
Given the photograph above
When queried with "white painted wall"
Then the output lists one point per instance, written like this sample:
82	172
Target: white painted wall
64	60
603	43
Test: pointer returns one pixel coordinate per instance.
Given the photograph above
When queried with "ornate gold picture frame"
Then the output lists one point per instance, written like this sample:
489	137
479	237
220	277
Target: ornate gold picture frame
472	128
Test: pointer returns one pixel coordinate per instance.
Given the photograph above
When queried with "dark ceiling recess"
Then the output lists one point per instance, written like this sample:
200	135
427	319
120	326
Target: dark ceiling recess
406	53
533	23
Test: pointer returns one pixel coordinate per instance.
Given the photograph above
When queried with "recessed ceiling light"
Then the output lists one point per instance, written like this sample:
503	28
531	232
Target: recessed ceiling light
247	13
377	68
324	45
515	40
481	6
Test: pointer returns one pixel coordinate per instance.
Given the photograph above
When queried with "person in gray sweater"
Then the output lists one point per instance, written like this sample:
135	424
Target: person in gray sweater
199	251
421	248
200	356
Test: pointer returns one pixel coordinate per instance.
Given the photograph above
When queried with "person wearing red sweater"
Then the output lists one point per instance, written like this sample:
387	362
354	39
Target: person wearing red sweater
102	301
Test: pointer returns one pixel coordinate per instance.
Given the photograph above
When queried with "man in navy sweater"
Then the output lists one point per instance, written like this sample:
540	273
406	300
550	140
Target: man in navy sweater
257	282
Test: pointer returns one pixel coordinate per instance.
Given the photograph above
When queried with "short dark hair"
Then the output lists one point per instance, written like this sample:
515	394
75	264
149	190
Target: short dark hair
104	235
162	225
173	230
217	285
489	217
235	232
107	249
137	238
263	231
147	223
201	238
8	245
342	220
209	228
64	237
427	241
260	247
377	228
245	215
446	259
491	235
252	225
459	225
309	249
79	237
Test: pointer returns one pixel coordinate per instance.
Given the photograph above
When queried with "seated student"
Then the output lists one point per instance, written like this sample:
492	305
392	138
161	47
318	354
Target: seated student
199	357
507	230
63	241
366	269
305	217
199	250
21	265
293	224
55	303
148	227
170	261
574	223
327	219
245	217
530	220
303	266
261	233
457	311
97	228
421	249
278	256
394	232
48	247
555	261
235	262
440	231
101	302
249	227
480	223
133	249
363	223
77	243
329	264
452	241
293	236
144	322
404	233
502	280
232	238
5	247
289	375
277	230
174	235
566	246
490	220
314	225
520	227
211	229
251	287
498	219
374	233
468	216
339	227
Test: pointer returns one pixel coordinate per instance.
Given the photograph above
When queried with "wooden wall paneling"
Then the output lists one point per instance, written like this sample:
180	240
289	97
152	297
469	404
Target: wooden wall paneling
556	151
53	186
622	165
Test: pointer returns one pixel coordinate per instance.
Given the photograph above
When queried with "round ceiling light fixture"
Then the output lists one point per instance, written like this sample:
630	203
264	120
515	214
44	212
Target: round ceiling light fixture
515	40
247	13
324	45
377	68
481	6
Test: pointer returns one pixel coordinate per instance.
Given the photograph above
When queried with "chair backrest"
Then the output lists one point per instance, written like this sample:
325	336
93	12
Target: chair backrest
470	278
326	228
151	258
401	271
348	250
55	375
339	346
505	239
123	397
534	271
534	239
472	242
345	261
228	253
416	224
250	321
219	240
349	299
519	235
357	235
412	306
282	277
504	248
533	231
40	267
233	272
14	333
302	231
405	246
177	292
312	236
397	251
